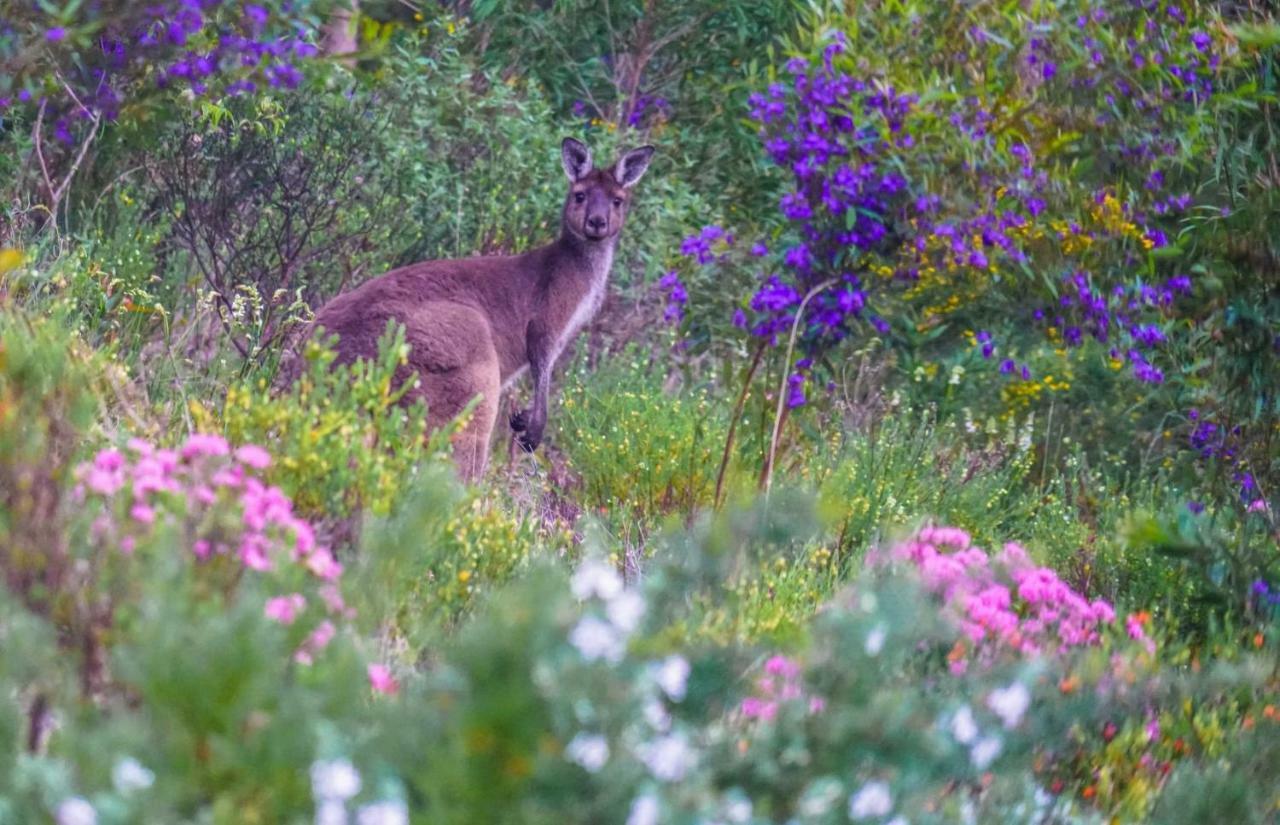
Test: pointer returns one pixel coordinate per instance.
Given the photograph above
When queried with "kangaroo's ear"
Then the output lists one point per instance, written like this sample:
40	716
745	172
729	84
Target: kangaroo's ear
631	166
576	158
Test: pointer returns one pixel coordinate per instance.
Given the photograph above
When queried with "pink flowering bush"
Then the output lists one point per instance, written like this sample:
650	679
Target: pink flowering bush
229	522
781	683
1004	604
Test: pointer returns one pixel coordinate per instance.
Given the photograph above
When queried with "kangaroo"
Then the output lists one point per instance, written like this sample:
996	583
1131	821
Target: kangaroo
475	325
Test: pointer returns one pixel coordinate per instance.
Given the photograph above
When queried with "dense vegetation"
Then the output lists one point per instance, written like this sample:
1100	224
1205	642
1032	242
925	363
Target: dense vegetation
922	466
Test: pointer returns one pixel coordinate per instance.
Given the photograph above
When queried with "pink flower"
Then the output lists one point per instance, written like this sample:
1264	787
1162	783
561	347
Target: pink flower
202	444
755	708
1257	506
104	482
202	549
142	513
322	635
381	680
253	456
782	666
140	446
253	553
323	564
285	609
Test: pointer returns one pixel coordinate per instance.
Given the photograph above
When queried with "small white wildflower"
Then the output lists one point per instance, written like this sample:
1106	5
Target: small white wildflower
75	810
738	810
875	640
589	750
668	758
595	639
898	820
595	578
644	811
335	779
130	775
963	728
871	801
655	713
625	610
820	797
984	751
672	675
1010	703
386	812
331	812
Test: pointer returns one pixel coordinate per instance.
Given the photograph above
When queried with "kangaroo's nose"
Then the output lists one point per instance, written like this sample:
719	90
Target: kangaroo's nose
596	222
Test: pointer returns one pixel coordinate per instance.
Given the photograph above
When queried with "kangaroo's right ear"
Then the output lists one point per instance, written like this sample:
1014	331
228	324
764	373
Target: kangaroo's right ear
576	158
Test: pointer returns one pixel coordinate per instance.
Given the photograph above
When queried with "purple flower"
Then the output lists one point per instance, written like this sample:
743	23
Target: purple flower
56	34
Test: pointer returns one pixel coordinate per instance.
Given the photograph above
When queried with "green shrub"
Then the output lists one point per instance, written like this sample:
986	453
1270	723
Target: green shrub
343	441
637	445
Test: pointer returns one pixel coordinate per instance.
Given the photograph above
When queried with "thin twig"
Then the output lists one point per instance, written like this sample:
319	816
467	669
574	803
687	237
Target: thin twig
782	385
733	422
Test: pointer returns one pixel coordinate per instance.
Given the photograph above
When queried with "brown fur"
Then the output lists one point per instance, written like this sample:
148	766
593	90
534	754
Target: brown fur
474	324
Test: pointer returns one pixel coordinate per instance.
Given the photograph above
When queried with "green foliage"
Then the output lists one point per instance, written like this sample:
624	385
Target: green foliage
48	404
342	439
634	443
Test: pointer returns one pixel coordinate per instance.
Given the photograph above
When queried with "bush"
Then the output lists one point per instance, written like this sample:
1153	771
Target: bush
342	440
632	441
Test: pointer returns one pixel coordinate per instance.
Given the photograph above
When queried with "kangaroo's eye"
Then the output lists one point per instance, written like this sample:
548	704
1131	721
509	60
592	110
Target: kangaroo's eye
617	201
579	197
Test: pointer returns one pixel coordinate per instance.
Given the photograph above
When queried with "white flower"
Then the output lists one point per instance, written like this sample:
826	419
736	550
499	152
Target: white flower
644	811
595	639
668	758
655	713
875	640
130	775
331	812
963	728
873	800
383	813
672	675
898	820
75	810
738	809
625	610
1010	703
589	750
984	751
335	779
595	578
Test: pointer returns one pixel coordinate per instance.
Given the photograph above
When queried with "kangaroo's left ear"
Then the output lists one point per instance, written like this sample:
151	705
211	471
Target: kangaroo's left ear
631	166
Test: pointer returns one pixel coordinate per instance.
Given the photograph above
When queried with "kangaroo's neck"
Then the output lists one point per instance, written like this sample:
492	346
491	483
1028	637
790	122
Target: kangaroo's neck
579	272
588	261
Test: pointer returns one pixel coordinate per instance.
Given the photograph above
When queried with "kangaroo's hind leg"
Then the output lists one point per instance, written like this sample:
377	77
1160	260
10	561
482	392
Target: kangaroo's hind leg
452	352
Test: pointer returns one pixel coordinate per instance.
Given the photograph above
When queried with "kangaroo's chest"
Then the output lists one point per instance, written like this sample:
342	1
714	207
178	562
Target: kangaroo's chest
586	308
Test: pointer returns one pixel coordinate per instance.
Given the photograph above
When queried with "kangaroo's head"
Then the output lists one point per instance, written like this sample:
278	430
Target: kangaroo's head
597	201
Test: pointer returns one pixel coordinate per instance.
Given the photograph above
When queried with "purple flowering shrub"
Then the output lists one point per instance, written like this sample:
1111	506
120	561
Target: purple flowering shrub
951	189
1030	198
93	61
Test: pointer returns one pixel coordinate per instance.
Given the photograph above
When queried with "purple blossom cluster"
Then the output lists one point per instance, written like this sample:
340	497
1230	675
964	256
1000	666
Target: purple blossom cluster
1124	317
192	46
676	297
